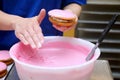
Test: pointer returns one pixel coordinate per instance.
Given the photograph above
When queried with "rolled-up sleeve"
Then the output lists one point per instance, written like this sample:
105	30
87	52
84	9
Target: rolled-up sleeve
80	2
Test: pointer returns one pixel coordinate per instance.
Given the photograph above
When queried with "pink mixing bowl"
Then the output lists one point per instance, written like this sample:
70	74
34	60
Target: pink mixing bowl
76	72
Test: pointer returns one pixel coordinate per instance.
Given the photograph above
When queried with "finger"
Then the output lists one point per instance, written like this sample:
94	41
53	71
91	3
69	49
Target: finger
41	15
57	27
39	33
60	28
22	38
29	39
34	36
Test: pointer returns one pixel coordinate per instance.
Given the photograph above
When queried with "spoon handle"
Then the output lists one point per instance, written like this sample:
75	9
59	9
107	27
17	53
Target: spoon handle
107	28
102	36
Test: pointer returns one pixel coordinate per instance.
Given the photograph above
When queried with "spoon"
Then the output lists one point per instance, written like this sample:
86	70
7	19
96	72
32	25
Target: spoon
103	34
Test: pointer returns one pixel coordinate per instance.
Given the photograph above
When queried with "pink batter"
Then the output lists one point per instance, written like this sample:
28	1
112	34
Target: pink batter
53	54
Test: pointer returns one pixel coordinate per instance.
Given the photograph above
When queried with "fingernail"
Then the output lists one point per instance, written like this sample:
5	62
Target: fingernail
33	46
26	43
39	45
42	41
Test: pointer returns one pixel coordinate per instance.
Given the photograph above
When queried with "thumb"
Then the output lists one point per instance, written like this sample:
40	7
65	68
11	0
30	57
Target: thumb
41	15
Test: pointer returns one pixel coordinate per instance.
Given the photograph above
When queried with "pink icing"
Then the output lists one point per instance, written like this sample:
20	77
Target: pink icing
61	13
53	54
3	66
4	55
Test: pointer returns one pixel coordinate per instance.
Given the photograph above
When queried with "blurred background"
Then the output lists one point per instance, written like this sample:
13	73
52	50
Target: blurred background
93	19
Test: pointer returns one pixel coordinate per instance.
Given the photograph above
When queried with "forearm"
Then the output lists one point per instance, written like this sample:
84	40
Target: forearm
75	8
6	21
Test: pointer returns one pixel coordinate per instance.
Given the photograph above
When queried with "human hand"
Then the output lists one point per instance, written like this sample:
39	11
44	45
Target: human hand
29	31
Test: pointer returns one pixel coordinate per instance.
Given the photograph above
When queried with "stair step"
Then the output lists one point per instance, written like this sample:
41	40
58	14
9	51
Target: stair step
97	30
100	13
104	41
95	22
116	75
104	2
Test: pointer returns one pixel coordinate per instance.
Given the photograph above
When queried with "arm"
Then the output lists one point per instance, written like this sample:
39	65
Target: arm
75	8
7	20
26	29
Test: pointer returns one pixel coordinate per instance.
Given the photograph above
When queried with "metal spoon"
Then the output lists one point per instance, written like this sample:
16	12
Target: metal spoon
103	34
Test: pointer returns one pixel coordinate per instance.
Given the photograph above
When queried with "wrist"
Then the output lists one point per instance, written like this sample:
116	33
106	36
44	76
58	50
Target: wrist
14	21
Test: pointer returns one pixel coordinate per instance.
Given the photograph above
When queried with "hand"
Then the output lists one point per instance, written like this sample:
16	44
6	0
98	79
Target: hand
29	31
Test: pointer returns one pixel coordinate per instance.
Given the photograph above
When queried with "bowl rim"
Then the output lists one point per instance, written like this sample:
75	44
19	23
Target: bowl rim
96	56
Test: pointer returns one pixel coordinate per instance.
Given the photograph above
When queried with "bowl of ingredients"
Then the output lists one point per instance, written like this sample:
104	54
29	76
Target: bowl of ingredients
59	58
